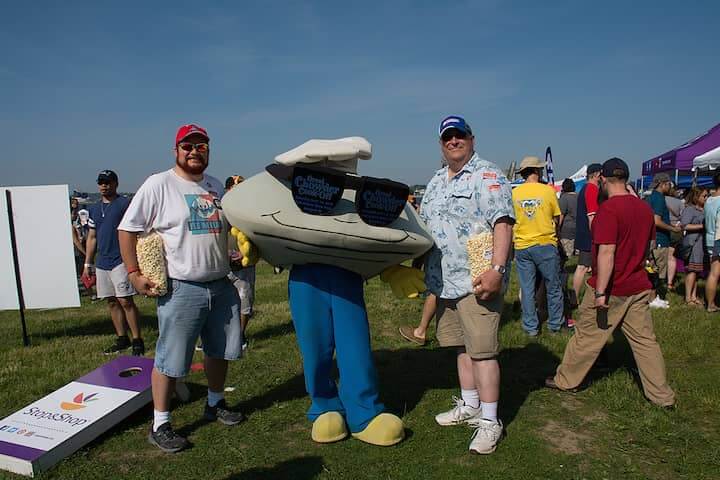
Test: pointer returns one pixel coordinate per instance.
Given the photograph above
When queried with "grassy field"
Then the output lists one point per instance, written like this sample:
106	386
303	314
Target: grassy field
608	431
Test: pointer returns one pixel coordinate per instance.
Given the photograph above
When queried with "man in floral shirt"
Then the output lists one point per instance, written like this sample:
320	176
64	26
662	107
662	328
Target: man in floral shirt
469	194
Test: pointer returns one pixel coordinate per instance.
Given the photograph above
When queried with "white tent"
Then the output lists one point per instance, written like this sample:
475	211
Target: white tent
578	177
708	160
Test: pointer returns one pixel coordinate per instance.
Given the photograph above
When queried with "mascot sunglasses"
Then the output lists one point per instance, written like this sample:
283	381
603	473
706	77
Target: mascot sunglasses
317	190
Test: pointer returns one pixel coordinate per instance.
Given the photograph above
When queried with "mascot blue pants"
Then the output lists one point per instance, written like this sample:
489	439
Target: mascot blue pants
328	309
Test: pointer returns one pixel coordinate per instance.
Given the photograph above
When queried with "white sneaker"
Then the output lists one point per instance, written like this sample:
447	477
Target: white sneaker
486	436
659	303
460	414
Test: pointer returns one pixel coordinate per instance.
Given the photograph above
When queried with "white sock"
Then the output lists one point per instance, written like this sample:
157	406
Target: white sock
489	411
160	418
470	397
214	397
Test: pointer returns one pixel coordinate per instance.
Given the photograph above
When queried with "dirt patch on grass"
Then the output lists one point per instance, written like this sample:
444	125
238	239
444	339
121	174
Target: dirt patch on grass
595	417
563	439
570	403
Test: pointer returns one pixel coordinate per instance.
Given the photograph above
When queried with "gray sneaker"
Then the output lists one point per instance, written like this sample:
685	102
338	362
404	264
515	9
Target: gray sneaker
166	439
222	414
460	414
486	436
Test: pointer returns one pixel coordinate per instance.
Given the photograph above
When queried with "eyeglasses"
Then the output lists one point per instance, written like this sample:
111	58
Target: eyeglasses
199	147
453	132
317	191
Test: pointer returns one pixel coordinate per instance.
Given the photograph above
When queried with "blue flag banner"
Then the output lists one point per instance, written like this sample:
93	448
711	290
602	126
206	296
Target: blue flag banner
549	166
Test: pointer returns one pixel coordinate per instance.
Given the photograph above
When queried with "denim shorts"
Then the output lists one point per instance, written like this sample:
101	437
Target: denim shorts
210	310
714	251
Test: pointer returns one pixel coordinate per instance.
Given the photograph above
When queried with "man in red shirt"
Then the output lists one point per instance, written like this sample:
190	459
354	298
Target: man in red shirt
618	291
587	206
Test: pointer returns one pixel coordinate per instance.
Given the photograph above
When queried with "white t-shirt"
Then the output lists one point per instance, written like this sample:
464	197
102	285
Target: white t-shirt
186	215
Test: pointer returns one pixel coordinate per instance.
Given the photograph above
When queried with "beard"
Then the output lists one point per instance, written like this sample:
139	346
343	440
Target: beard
602	193
193	170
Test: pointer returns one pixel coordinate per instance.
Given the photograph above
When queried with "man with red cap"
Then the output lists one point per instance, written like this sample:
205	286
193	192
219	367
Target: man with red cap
183	206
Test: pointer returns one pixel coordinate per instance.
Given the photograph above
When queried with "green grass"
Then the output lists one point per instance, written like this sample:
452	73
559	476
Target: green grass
608	431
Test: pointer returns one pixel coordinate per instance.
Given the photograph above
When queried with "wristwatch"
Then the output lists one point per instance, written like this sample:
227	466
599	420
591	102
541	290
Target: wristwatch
600	294
500	269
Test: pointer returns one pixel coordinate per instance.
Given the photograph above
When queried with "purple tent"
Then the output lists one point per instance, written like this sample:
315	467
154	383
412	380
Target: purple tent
681	158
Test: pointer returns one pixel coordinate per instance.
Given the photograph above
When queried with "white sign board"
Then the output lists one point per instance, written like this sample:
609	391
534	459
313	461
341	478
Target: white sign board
45	250
39	435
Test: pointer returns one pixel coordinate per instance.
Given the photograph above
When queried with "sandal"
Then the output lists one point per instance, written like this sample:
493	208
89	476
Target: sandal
713	309
408	333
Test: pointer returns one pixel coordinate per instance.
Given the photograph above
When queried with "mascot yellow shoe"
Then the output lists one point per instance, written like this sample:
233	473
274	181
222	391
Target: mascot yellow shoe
329	427
384	430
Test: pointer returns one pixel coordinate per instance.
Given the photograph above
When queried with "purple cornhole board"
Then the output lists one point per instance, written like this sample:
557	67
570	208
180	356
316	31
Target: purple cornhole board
36	437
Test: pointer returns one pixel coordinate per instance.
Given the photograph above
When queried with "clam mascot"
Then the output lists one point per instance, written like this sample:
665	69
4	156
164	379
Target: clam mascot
311	211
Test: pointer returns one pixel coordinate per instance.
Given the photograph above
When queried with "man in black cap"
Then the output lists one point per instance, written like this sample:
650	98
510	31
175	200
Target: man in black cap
587	205
618	291
112	277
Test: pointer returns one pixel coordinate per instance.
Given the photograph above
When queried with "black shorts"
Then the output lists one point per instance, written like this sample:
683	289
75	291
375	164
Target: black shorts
585	258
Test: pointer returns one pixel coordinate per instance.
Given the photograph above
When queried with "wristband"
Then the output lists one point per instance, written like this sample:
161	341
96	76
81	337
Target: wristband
133	270
89	265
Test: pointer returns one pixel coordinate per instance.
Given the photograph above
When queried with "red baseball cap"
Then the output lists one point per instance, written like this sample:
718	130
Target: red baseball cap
189	129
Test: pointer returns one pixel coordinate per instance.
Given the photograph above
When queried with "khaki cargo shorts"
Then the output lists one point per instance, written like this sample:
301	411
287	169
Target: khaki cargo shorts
470	323
660	261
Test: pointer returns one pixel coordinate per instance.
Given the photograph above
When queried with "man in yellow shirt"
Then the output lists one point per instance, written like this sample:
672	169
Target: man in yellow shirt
537	214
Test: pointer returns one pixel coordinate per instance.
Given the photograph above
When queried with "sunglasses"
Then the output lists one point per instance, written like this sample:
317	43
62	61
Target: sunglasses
199	147
453	132
317	191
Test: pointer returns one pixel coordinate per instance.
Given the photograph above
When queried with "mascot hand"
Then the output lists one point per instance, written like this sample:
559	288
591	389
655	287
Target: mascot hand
404	281
249	251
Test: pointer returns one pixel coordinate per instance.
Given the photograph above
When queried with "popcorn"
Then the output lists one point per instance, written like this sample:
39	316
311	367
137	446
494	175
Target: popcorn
480	251
151	260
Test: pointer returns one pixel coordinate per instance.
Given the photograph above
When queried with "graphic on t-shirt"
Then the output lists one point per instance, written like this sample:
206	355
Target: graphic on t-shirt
204	215
530	206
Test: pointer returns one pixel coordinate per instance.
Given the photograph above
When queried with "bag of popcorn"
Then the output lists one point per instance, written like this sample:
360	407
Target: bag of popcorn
151	260
480	250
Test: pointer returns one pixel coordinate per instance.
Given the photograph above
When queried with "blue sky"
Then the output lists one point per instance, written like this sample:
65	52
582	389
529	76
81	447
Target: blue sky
87	86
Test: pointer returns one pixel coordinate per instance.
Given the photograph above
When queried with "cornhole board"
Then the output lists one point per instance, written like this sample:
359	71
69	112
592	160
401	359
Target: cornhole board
36	437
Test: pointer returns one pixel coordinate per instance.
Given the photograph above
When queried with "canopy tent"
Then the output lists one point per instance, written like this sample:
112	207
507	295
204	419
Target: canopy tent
682	158
708	160
682	181
579	177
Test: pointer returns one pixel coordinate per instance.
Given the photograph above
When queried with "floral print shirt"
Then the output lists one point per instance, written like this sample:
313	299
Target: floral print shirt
453	209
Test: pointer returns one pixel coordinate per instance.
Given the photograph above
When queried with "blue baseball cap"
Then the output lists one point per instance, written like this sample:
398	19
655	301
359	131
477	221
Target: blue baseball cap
454	121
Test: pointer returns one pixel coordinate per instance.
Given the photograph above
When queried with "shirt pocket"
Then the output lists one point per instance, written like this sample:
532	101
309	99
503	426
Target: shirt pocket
460	201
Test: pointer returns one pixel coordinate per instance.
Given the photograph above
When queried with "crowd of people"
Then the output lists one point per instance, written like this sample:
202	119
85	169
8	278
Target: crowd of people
686	239
612	232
